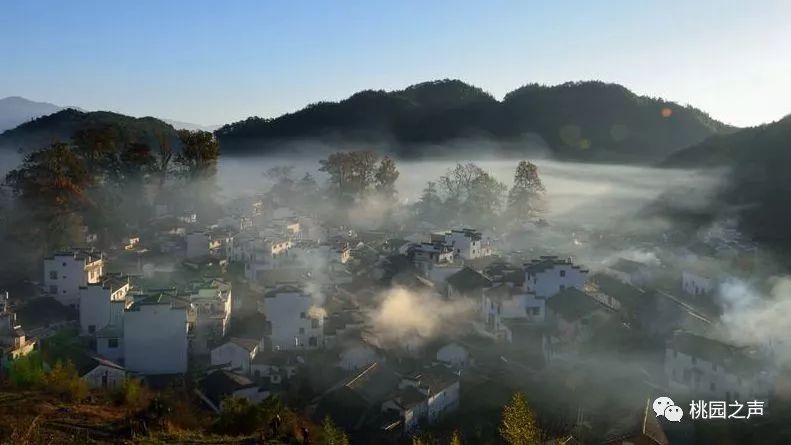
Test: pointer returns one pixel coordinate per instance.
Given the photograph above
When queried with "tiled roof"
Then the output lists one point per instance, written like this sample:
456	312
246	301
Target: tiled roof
572	304
468	279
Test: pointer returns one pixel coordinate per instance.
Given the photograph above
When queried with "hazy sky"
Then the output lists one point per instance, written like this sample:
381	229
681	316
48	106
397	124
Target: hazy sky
212	62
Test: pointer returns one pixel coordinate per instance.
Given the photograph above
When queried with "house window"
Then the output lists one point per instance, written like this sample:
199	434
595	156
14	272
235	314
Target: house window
312	341
535	311
91	328
112	343
53	275
314	323
104	380
301	315
301	330
63	264
53	289
562	273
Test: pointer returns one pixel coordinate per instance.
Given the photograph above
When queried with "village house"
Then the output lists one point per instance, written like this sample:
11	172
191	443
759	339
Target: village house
467	283
425	395
236	354
467	243
209	315
454	355
103	303
296	322
629	271
219	385
13	341
701	366
66	272
549	275
155	336
571	314
98	372
131	242
276	367
207	243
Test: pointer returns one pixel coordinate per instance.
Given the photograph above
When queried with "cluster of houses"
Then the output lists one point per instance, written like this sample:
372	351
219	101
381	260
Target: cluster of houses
261	303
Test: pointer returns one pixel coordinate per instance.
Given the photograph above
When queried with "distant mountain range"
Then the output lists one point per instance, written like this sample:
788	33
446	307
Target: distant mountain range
587	121
16	110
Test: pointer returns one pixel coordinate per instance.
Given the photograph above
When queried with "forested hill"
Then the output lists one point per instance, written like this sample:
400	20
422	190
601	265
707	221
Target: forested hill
61	126
760	185
579	120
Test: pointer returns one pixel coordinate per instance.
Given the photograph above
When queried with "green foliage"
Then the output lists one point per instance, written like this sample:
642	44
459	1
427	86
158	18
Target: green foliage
385	176
332	434
239	416
518	425
199	153
27	371
131	394
526	197
582	120
472	193
64	381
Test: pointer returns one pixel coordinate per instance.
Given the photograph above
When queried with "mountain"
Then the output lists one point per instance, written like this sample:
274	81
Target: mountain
758	186
578	120
60	126
16	110
179	125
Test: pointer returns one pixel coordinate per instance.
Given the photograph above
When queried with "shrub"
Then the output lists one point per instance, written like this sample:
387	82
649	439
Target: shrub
239	416
65	382
27	371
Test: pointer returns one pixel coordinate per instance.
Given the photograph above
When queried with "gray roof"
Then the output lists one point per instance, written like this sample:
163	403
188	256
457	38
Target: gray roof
468	279
572	304
247	344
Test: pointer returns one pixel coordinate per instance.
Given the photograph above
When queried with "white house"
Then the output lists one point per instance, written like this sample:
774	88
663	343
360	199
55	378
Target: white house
697	366
155	336
454	355
103	303
66	272
696	282
630	272
13	341
296	322
99	372
235	354
276	366
209	315
216	387
428	394
467	243
549	275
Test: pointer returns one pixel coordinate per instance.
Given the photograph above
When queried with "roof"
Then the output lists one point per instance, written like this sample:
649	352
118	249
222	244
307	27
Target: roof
374	383
220	384
435	378
547	262
468	279
247	344
286	288
408	397
643	424
732	358
627	266
627	295
572	304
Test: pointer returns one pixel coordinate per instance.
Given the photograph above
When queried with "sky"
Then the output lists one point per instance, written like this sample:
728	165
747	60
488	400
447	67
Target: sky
214	62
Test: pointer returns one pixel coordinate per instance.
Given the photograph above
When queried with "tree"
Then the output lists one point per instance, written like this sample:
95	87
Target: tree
351	173
429	206
332	434
199	153
26	371
239	416
518	425
64	381
385	176
526	197
474	194
51	187
455	438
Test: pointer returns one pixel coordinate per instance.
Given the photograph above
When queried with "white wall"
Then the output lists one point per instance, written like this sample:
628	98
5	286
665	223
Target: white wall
292	327
65	274
443	402
238	357
453	354
549	282
155	339
105	377
694	284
